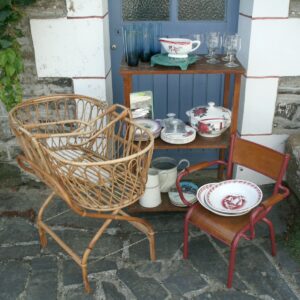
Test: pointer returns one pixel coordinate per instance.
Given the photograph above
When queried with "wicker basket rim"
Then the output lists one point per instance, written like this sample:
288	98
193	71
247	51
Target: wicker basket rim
102	163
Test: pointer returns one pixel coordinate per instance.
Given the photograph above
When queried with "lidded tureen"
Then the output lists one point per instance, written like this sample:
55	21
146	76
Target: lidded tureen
211	120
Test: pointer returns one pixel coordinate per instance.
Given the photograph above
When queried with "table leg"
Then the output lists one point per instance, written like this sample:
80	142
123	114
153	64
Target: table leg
127	81
221	167
235	103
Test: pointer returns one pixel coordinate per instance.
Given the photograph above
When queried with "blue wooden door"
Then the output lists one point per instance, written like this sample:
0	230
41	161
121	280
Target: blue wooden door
173	93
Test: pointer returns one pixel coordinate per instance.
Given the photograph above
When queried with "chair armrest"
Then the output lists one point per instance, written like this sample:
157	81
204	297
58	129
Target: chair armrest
263	209
194	168
276	197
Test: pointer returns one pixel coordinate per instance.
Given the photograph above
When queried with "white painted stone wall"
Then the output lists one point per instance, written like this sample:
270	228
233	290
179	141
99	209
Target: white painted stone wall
76	46
270	50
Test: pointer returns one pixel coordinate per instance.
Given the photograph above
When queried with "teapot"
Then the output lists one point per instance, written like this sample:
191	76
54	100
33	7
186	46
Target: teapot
178	47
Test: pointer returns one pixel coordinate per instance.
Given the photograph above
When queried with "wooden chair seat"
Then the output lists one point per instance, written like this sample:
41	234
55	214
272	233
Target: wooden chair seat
222	228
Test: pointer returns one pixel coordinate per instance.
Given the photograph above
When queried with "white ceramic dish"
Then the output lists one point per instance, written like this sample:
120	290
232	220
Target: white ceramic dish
201	193
179	138
151	125
233	196
189	190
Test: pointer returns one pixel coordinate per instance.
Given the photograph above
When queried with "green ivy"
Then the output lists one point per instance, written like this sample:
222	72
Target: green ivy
11	65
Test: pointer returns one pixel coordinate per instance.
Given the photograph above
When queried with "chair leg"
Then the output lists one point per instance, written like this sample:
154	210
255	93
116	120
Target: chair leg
272	235
232	261
186	238
42	232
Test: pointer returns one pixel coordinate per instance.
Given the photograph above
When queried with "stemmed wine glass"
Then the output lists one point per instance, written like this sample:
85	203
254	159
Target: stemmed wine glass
233	47
213	42
226	42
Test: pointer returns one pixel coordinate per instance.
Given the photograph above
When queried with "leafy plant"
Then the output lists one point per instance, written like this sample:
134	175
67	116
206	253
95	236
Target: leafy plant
11	65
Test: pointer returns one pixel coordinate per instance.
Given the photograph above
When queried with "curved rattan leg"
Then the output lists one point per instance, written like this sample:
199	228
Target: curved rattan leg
146	228
42	232
88	251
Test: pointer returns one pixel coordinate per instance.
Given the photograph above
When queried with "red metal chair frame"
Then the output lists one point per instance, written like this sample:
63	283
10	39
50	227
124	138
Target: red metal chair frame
230	230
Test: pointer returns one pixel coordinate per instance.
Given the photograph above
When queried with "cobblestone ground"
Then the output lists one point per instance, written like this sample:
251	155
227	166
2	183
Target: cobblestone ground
120	271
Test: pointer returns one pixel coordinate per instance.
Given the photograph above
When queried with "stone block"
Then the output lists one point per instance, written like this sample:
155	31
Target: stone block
5	132
183	279
111	292
43	283
78	293
293	173
19	252
141	287
72	272
204	257
17	230
294	10
13	278
10	175
255	268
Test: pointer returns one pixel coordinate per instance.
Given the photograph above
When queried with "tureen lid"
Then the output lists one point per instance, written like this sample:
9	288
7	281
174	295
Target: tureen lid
211	111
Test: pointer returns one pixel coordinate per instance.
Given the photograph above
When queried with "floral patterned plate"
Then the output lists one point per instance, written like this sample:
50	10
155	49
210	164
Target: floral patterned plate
233	196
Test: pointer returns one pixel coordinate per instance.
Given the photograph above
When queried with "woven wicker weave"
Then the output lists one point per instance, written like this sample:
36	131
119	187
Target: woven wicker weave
86	152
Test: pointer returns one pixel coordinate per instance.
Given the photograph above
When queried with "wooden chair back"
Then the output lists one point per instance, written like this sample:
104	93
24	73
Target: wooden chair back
258	158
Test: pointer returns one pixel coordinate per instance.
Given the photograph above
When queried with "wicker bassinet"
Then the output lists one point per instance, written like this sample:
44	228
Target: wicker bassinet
88	153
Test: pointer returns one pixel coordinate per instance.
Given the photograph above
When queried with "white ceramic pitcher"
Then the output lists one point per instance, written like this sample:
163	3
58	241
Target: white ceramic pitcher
167	169
151	197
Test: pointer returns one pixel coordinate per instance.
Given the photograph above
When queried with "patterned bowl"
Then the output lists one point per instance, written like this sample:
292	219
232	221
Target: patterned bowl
210	121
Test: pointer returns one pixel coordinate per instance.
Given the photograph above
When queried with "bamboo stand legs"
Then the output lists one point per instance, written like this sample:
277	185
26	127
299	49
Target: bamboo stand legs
118	214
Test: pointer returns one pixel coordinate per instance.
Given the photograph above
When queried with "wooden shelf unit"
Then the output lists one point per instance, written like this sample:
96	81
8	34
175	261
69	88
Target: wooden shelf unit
200	67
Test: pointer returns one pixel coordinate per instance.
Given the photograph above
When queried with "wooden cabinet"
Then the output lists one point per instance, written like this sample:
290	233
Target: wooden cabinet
200	67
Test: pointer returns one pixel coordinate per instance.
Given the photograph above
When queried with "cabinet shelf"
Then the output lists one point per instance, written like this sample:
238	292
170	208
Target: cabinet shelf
221	142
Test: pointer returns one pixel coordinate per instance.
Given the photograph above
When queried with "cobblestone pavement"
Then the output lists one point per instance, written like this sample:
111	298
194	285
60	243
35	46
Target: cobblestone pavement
120	271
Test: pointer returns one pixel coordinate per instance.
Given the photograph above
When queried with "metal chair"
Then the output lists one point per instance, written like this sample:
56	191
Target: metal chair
87	153
230	230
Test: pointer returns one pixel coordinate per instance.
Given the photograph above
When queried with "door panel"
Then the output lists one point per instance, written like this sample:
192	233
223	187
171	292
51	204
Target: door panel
174	93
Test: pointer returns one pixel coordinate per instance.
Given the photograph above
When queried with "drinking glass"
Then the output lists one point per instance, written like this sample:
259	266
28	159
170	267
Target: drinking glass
213	42
146	42
156	29
225	43
234	47
131	45
198	37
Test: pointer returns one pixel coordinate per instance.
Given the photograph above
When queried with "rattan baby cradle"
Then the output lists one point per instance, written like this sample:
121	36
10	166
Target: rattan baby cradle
87	153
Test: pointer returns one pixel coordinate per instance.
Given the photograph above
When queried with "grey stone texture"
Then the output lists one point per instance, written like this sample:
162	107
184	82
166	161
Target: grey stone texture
119	266
287	111
294	11
31	84
293	172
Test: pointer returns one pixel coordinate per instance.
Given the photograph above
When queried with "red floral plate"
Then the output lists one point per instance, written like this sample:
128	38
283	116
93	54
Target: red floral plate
201	199
233	196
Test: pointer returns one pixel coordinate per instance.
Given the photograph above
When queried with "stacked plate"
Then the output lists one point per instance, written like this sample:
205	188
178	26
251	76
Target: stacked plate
189	190
179	138
230	197
151	125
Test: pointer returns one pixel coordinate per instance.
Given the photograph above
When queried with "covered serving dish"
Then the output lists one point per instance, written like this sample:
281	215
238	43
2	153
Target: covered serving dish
211	120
